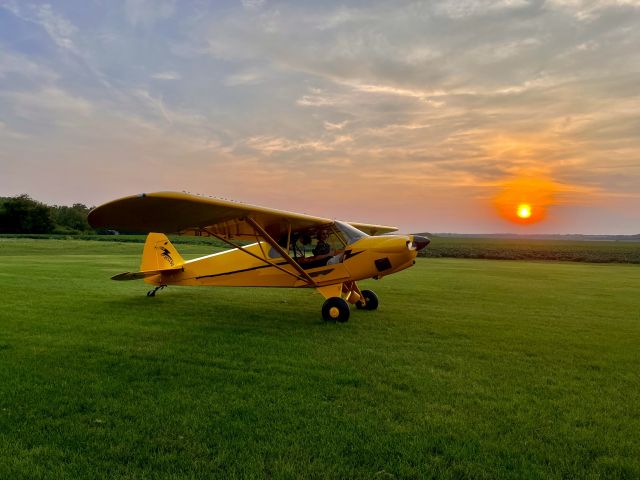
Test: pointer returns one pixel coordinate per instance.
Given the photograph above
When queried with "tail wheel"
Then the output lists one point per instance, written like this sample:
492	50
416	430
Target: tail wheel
370	301
335	309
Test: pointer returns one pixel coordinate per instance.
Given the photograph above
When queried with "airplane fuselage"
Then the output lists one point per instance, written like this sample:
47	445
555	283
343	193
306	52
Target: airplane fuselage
369	257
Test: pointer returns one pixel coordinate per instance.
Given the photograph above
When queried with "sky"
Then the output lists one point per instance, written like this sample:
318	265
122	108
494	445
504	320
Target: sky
440	116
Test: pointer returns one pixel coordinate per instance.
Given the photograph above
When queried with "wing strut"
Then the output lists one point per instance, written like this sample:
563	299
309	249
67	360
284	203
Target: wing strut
242	249
280	250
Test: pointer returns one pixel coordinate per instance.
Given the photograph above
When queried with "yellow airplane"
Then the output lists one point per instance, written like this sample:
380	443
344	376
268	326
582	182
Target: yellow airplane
289	249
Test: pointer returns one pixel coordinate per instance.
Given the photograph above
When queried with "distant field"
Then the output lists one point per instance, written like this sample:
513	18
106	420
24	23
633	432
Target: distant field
527	249
469	369
448	247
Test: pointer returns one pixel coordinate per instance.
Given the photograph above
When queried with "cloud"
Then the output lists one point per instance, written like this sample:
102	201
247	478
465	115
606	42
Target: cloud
10	134
317	100
334	126
244	78
166	76
12	63
253	5
59	28
156	104
145	13
460	9
49	101
589	10
271	145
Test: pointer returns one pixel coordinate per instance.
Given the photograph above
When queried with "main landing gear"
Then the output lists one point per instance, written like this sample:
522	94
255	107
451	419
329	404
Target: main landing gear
336	308
370	301
152	293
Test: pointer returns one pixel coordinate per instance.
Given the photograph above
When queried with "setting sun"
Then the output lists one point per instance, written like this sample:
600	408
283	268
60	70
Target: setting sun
524	210
516	197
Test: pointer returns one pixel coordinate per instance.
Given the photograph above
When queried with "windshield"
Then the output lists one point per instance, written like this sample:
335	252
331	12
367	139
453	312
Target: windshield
312	241
350	233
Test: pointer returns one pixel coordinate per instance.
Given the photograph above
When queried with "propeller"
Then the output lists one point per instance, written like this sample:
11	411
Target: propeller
420	242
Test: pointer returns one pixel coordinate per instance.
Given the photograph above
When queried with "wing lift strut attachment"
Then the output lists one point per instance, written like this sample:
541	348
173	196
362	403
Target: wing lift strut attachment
260	231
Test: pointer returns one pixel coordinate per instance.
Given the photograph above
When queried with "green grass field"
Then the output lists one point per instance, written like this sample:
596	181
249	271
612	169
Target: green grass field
469	369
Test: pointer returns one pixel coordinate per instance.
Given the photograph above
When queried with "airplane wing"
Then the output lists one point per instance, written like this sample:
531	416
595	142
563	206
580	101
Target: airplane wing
372	230
185	214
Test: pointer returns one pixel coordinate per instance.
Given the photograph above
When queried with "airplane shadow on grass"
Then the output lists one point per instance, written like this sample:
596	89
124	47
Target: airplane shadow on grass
223	306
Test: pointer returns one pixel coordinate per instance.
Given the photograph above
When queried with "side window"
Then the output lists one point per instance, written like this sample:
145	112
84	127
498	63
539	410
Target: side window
313	242
326	242
282	241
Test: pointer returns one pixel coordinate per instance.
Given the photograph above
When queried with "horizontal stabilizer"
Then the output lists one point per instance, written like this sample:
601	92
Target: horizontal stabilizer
145	274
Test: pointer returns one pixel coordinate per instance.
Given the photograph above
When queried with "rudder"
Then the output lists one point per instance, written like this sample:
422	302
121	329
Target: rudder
159	254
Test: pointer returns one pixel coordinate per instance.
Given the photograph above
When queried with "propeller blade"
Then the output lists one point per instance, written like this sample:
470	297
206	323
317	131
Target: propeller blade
420	242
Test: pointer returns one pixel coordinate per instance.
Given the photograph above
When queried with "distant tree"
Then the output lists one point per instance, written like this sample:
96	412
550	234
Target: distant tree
22	214
72	218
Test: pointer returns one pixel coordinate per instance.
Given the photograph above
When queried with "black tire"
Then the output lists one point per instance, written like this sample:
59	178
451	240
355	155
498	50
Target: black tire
335	309
370	301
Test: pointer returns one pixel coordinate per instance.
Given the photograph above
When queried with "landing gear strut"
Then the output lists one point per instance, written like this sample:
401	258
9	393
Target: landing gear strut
152	293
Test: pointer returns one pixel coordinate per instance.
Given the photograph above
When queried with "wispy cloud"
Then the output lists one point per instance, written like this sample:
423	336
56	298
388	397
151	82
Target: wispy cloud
253	5
59	28
166	76
147	12
272	145
335	126
12	63
244	78
48	101
8	133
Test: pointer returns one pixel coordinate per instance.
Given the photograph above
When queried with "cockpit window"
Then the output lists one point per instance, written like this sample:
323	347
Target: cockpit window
306	243
350	233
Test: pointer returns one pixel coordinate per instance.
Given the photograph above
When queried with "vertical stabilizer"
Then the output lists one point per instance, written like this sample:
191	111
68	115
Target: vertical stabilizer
159	254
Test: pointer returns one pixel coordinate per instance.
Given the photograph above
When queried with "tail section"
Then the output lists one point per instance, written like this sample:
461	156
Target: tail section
159	254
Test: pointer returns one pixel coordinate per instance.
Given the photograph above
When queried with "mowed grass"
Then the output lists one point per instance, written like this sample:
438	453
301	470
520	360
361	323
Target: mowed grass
469	369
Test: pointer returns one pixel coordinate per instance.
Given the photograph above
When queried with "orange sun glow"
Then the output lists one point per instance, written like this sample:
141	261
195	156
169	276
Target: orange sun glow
524	200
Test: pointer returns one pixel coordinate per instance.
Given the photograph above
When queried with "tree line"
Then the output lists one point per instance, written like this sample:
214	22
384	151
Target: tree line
22	214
